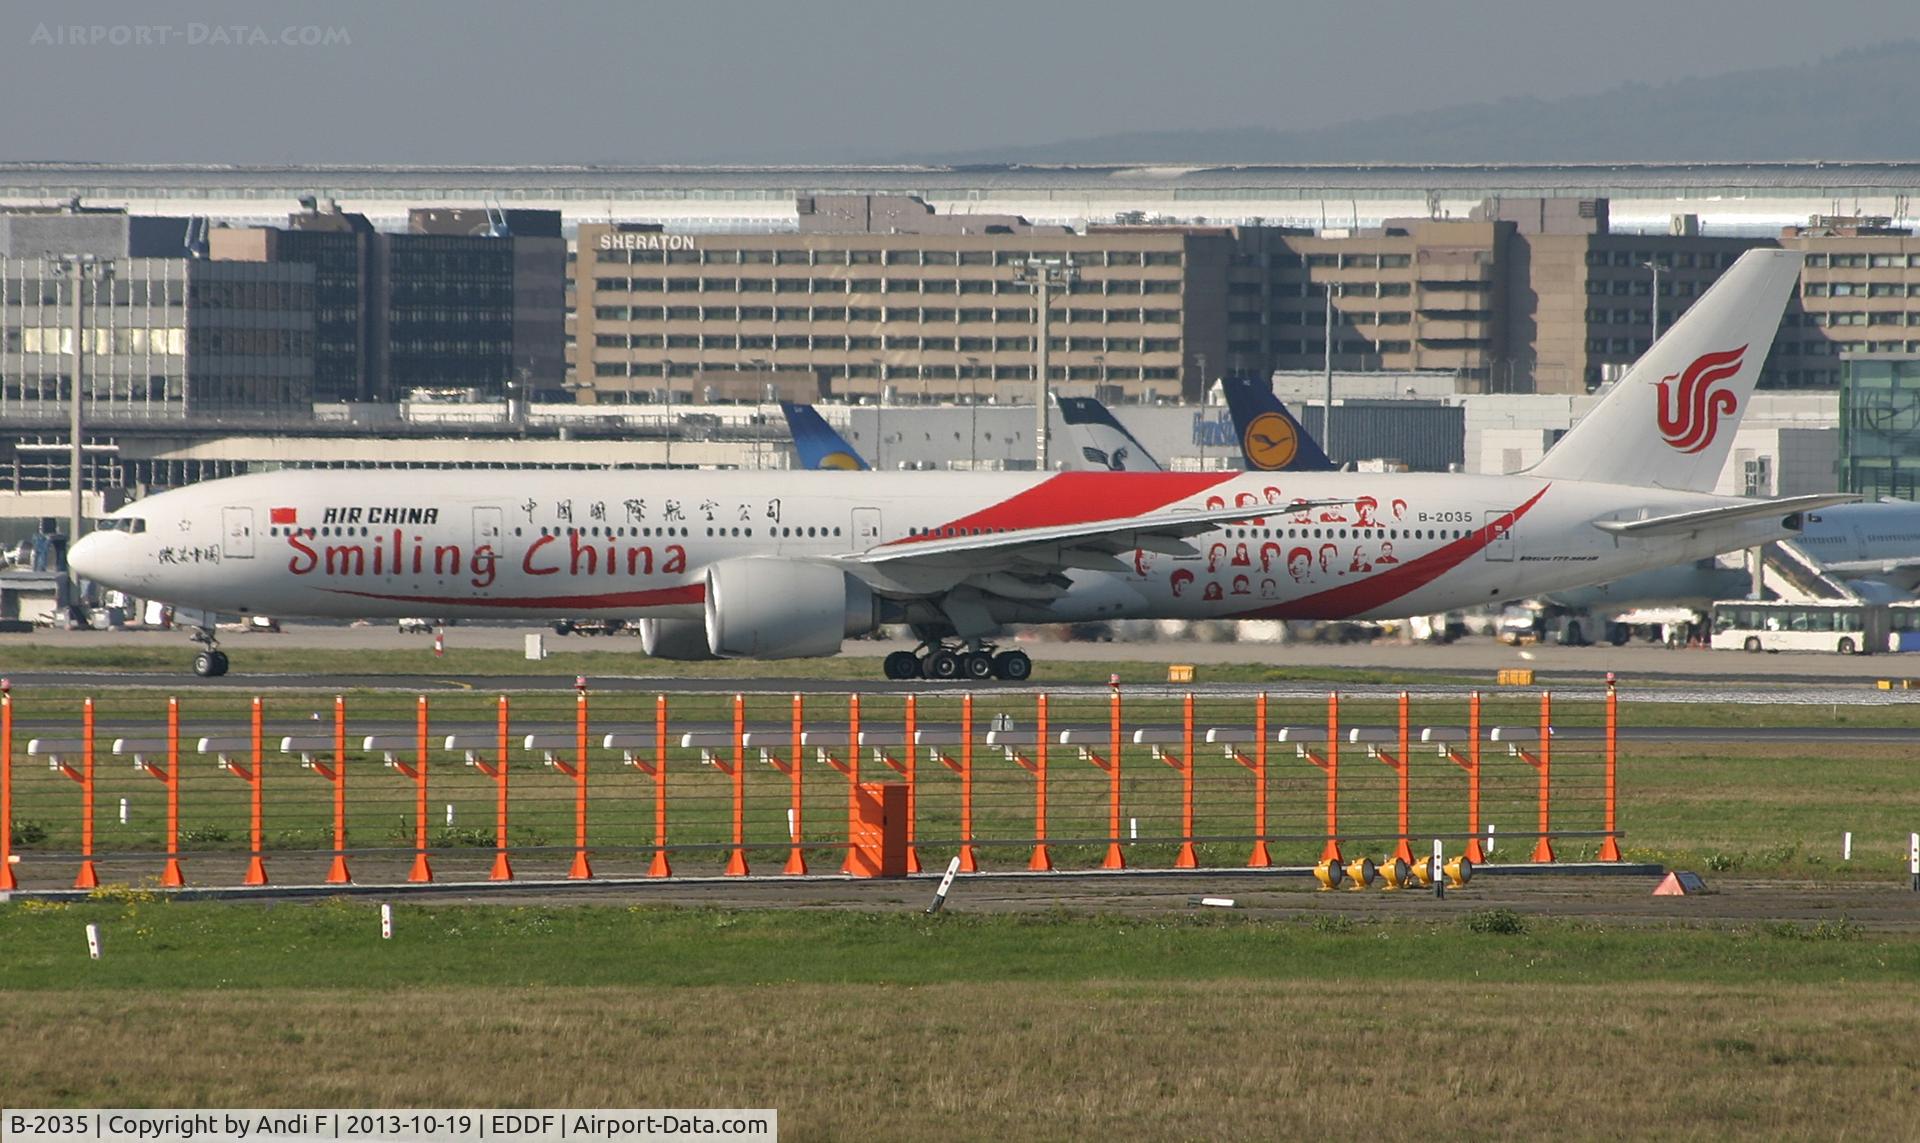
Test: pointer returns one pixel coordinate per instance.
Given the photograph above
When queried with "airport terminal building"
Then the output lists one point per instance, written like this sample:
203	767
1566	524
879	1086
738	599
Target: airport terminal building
880	296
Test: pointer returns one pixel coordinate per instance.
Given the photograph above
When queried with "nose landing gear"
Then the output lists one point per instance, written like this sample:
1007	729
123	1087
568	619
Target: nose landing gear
210	662
942	662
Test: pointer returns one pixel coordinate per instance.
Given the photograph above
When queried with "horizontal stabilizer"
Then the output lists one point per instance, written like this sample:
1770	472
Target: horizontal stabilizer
1682	523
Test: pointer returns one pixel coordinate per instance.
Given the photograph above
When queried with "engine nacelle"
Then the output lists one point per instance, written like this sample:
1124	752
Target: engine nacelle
769	608
684	640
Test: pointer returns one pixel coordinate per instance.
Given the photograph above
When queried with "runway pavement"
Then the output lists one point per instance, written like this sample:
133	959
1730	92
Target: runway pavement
1684	675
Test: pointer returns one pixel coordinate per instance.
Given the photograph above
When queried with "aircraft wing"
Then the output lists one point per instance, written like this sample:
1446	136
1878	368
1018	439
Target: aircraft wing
1681	523
1028	562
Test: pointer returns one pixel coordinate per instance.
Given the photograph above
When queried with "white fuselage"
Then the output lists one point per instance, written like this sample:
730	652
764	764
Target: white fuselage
489	544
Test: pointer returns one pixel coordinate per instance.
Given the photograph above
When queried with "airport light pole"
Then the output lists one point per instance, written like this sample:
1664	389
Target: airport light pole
1326	422
80	269
666	372
973	414
1655	267
1043	275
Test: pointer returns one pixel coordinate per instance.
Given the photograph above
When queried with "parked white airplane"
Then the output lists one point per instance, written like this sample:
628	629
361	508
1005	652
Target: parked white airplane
788	564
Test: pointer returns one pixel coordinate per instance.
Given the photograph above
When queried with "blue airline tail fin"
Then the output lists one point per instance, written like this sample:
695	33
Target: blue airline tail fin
1270	438
1100	442
815	441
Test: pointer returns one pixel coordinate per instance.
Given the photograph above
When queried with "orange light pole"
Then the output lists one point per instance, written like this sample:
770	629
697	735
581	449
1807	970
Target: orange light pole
968	862
171	876
1471	764
422	869
660	867
336	775
252	774
1542	762
913	784
1330	764
89	877
502	866
581	869
1610	845
1041	860
8	882
737	859
907	767
1397	762
851	768
1260	858
796	860
1115	858
1183	764
790	766
964	768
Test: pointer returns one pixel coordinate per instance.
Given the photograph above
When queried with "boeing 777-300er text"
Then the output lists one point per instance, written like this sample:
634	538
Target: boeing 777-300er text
789	564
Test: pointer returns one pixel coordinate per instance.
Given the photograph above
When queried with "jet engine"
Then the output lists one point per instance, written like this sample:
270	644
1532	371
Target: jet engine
770	608
684	640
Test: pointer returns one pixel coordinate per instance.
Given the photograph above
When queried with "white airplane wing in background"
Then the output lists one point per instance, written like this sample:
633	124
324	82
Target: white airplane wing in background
1682	523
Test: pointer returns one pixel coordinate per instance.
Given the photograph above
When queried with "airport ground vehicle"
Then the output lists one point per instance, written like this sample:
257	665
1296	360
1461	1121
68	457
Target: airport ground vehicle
1779	625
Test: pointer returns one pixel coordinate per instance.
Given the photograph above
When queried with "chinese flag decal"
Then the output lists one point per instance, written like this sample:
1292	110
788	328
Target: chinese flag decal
283	516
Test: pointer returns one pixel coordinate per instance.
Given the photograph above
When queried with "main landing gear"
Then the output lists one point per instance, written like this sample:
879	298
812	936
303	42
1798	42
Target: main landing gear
211	661
945	663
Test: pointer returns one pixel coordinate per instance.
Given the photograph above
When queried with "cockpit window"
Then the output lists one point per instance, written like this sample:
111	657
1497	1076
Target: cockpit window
134	524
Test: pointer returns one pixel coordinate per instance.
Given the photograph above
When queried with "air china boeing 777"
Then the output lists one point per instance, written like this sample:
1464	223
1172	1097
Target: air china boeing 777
788	564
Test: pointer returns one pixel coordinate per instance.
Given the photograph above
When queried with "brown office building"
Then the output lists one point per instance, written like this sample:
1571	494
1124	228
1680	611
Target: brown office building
877	295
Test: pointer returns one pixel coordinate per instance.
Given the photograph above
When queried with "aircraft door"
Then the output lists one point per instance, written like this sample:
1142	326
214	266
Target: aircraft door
1499	535
487	527
866	528
236	533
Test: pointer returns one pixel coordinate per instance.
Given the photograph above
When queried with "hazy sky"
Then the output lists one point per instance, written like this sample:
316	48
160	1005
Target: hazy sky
435	81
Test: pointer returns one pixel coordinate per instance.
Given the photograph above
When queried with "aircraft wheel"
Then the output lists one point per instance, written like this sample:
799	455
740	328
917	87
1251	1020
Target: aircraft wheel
901	665
942	665
978	665
1013	666
219	663
210	664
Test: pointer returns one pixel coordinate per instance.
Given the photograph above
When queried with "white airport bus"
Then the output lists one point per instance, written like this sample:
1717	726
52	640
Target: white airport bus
1777	625
1903	626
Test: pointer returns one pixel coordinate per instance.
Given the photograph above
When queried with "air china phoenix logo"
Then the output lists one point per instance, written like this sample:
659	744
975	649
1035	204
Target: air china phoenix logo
1690	417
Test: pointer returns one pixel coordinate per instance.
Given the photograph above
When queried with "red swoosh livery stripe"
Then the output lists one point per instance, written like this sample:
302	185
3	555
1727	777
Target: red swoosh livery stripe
1384	587
652	597
1081	498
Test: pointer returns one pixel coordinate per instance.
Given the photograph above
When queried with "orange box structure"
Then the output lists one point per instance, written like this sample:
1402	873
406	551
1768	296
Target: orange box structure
879	841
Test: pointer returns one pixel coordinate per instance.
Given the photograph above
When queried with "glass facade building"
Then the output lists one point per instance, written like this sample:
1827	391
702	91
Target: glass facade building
1880	426
164	333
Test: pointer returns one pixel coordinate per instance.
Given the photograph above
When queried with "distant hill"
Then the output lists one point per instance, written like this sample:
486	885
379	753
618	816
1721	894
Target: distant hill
1862	104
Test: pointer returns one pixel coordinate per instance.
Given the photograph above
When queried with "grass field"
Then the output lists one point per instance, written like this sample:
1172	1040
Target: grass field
907	1027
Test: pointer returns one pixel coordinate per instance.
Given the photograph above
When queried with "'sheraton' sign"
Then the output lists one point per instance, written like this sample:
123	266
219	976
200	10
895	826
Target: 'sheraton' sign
626	241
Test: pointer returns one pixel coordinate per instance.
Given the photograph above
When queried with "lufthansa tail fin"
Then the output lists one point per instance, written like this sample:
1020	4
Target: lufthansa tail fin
815	441
1101	443
1670	422
1270	438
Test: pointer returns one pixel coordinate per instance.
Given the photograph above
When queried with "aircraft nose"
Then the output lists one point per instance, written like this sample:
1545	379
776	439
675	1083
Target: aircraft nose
88	558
